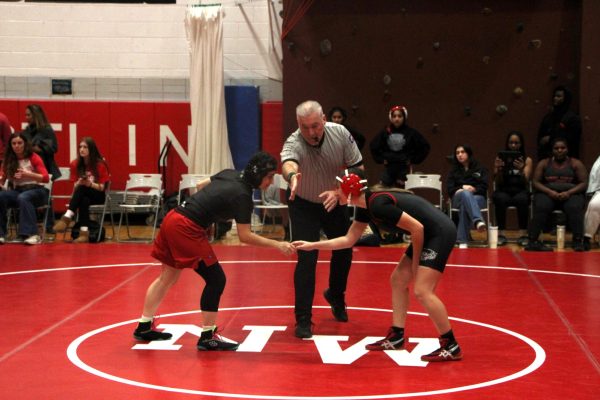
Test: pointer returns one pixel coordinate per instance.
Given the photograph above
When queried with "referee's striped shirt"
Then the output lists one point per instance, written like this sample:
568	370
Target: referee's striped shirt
320	165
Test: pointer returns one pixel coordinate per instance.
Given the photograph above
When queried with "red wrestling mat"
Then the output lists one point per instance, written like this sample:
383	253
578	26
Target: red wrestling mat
527	324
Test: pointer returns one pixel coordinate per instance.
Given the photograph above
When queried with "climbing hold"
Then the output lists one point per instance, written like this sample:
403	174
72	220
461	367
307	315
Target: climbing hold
325	47
518	91
535	43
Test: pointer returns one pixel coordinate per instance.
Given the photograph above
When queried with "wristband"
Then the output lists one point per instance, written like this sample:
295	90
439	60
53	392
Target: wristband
289	177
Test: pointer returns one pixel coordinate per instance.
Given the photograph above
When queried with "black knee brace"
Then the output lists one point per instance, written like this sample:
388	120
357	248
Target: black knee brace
214	276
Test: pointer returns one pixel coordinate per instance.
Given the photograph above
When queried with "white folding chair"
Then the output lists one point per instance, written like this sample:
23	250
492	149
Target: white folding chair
269	203
143	194
62	185
65	175
12	213
427	182
141	175
188	182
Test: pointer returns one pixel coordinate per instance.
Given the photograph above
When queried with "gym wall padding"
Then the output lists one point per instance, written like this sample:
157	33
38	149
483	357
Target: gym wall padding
243	122
111	124
272	127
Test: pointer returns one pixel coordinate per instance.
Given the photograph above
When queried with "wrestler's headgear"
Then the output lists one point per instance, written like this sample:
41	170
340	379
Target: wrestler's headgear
258	167
352	184
402	109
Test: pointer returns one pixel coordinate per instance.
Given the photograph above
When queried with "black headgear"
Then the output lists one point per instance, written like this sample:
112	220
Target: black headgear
258	167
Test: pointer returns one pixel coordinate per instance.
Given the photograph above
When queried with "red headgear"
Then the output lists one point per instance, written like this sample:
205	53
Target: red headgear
352	184
402	109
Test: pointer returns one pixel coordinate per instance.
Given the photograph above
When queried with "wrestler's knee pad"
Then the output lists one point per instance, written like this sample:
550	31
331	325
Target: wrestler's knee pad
215	279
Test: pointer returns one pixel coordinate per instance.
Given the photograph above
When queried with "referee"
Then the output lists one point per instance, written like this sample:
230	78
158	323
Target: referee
312	157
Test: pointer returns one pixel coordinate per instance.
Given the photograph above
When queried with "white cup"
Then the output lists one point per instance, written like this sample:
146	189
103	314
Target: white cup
493	237
560	237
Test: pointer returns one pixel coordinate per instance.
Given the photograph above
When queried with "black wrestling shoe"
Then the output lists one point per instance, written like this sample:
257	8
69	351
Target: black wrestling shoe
338	307
303	327
210	341
447	352
145	331
393	341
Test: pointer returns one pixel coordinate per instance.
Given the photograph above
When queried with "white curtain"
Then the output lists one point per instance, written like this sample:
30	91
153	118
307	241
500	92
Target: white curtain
274	54
208	144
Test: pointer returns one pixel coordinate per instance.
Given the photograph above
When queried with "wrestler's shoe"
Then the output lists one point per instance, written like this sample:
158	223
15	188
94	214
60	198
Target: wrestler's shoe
145	331
210	341
393	341
447	352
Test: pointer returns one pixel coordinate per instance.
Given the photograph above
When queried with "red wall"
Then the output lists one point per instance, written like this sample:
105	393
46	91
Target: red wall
109	124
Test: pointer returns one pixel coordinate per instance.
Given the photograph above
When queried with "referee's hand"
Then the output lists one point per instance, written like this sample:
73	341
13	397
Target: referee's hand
330	199
294	182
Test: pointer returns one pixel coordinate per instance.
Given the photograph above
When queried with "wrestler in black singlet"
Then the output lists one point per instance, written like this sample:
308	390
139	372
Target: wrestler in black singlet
385	209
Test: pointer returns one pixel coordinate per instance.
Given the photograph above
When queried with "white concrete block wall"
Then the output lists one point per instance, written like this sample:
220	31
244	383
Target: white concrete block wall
125	51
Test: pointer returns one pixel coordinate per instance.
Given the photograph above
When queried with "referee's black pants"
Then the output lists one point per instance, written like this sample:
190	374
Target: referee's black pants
308	219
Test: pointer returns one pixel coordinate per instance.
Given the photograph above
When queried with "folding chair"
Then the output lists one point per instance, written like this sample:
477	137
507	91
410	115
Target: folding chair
426	182
62	185
65	176
102	209
12	214
188	182
268	204
143	194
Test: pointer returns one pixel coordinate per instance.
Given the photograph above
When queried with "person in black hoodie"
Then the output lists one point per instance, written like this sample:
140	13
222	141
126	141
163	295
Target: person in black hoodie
397	147
560	122
467	186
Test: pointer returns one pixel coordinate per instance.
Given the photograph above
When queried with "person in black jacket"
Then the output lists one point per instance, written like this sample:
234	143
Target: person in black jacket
43	139
512	175
560	122
397	147
467	186
339	116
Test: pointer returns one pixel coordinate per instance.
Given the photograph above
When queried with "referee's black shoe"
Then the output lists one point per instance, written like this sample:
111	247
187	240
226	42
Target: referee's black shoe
338	306
303	327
